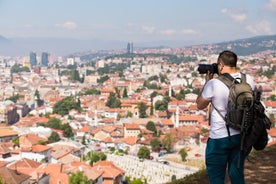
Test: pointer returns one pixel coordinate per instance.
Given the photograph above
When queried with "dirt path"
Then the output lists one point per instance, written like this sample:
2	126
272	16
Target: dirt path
261	168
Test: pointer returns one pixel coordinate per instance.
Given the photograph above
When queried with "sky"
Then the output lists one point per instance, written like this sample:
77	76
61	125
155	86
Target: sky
138	21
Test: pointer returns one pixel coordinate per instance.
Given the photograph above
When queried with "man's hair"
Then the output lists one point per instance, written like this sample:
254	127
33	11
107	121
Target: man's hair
228	58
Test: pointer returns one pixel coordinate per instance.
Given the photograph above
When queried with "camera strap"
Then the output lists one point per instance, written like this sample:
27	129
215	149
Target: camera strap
227	126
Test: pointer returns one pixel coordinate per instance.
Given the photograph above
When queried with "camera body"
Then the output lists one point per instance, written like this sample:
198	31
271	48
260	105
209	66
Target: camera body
204	68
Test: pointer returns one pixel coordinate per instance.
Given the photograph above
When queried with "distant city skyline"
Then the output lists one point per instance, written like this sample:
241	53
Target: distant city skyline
145	23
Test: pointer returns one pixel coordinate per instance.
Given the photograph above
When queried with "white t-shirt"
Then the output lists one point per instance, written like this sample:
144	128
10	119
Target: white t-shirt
217	91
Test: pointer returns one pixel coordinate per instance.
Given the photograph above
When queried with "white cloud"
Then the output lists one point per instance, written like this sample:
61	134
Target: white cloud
167	32
235	15
188	31
68	25
271	5
262	27
148	29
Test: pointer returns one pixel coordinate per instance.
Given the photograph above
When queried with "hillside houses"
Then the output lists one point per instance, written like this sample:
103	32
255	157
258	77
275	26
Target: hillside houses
98	127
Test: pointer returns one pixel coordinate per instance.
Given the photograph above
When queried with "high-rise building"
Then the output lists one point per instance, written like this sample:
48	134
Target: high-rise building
130	47
44	59
33	60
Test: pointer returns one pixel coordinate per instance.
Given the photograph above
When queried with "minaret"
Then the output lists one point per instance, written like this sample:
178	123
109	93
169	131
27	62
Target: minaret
177	117
170	91
95	118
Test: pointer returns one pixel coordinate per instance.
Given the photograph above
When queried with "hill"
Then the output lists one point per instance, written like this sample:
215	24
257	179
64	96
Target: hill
67	46
250	46
260	167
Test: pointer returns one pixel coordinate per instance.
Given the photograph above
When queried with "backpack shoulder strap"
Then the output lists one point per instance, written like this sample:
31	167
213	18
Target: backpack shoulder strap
243	78
227	79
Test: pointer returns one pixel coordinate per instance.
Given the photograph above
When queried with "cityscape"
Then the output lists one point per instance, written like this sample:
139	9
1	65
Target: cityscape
113	116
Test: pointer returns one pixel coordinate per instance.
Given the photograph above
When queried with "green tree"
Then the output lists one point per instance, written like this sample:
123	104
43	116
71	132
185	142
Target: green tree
54	123
16	141
19	68
136	181
92	91
143	152
13	98
83	140
118	92
168	141
160	105
151	108
78	178
272	97
129	114
153	94
74	75
183	153
163	77
37	95
67	130
95	157
155	144
102	79
54	137
65	105
125	93
113	101
142	107
151	126
173	178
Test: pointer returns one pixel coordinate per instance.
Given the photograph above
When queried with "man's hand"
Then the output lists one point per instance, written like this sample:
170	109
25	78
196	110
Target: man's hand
208	76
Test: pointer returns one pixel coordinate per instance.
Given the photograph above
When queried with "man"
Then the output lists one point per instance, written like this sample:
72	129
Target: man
222	150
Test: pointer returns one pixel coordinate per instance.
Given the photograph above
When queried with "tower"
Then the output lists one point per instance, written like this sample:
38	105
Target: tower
44	59
177	117
33	60
130	48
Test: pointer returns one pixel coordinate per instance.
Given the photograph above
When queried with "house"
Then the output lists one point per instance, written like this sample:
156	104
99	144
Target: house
111	173
128	144
56	173
5	149
62	153
13	176
131	130
31	168
31	121
6	134
37	152
93	175
28	140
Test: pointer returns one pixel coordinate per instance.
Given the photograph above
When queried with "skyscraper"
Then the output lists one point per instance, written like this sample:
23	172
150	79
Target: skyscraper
130	47
33	60
44	59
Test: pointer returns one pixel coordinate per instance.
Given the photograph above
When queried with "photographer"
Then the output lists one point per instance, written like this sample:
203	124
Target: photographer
222	149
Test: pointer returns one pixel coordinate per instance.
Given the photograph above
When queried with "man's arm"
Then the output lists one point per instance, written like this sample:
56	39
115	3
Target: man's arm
201	102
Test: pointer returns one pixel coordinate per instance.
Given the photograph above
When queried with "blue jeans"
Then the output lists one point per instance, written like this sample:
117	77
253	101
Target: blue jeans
223	153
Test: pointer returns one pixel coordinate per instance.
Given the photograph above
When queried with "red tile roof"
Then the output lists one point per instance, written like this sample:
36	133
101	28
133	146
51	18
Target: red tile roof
6	131
272	132
132	126
40	148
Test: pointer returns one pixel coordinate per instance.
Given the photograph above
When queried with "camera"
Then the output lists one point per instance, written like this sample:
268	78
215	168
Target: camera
204	68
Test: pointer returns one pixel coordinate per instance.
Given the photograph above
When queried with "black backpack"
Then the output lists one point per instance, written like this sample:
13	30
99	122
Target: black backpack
246	113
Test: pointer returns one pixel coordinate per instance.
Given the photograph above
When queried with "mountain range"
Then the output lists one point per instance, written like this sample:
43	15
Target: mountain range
66	46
